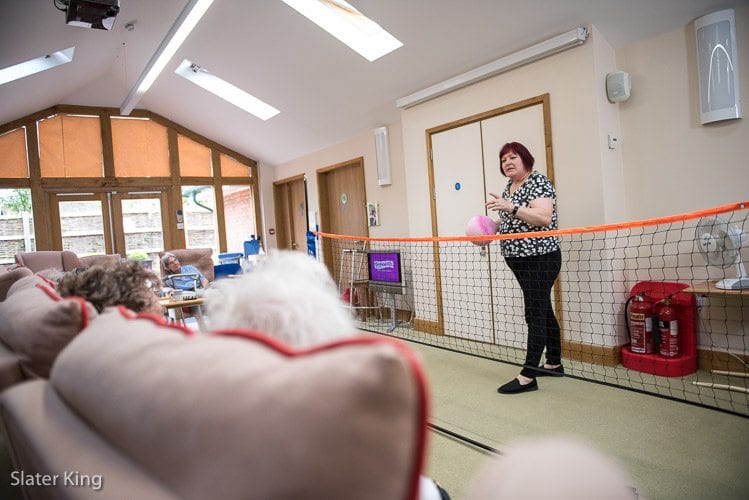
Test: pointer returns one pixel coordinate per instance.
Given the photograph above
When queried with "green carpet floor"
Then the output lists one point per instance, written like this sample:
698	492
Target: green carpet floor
672	450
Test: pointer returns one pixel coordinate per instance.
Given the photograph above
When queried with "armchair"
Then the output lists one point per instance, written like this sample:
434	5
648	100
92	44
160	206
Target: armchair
198	257
64	260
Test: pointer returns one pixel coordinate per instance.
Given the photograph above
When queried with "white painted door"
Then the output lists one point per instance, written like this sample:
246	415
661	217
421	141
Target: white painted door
481	298
525	126
464	269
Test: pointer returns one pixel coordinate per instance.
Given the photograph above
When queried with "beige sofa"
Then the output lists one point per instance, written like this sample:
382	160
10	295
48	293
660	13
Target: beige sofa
10	276
35	325
137	409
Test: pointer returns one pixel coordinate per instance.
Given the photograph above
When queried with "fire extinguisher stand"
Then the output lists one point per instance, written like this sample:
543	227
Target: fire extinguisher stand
685	306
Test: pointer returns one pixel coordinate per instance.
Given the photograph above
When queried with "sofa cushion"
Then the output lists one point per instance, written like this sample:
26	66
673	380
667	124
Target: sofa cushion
37	324
46	437
28	281
243	416
9	277
10	368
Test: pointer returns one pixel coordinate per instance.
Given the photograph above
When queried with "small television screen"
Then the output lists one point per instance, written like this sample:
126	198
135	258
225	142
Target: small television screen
385	267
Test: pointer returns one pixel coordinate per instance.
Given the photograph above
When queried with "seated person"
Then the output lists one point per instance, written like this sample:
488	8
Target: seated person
124	283
173	266
292	297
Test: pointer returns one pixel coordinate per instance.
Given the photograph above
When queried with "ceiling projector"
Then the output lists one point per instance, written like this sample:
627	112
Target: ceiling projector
97	14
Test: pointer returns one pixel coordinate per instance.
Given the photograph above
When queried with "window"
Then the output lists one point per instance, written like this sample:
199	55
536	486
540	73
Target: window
82	227
70	146
140	147
194	158
14	162
239	216
199	209
232	168
16	224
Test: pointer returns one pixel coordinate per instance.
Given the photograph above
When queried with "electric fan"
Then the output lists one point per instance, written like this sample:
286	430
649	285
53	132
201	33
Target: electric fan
720	245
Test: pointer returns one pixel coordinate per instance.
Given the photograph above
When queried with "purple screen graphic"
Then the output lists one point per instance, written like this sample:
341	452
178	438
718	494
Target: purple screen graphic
384	266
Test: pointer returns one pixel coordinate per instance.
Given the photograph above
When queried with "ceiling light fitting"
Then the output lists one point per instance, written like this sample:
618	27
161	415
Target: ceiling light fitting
225	90
533	53
186	21
24	69
348	25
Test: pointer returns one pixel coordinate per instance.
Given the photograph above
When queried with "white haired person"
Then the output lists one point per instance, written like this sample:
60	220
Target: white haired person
292	297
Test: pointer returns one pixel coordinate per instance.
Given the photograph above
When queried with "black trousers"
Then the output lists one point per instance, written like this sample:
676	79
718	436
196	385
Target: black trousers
536	275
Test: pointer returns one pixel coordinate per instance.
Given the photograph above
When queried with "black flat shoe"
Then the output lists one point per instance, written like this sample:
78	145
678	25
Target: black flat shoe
549	372
514	386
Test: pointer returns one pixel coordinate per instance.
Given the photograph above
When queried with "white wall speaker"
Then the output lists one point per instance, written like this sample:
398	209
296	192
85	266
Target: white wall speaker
717	66
618	86
382	148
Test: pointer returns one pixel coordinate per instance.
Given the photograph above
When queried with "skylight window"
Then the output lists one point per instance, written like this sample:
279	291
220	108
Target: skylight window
186	21
24	69
350	26
225	90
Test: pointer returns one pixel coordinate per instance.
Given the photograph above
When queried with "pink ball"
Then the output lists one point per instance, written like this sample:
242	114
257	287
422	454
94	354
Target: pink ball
481	225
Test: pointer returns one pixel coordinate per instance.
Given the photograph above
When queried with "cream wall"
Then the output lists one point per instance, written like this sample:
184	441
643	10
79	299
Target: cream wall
666	162
672	163
569	79
391	199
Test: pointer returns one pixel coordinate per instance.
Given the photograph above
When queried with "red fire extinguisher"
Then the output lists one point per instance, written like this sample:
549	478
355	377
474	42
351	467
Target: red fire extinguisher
639	321
669	328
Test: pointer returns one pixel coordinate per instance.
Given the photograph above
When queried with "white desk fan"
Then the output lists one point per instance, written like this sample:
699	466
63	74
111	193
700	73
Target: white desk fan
720	245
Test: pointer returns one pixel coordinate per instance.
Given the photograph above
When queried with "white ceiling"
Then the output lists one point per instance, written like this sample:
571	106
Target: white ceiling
326	92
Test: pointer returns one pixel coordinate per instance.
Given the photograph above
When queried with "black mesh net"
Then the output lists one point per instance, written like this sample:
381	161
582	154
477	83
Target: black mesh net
652	306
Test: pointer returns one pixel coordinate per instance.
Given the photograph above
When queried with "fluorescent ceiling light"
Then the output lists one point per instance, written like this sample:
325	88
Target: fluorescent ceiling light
24	69
225	90
186	21
533	53
347	24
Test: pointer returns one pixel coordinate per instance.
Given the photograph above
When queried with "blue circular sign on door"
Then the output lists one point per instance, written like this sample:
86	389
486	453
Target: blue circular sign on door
457	186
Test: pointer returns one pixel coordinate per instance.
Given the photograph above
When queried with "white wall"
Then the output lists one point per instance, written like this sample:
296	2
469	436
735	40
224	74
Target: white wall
672	163
391	199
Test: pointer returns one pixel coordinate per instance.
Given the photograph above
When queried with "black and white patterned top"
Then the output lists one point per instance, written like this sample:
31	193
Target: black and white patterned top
537	185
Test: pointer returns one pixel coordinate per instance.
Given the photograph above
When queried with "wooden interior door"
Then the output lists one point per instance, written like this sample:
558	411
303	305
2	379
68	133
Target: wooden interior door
342	209
284	222
290	200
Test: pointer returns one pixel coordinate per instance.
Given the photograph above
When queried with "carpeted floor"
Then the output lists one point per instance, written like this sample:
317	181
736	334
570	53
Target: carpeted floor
672	450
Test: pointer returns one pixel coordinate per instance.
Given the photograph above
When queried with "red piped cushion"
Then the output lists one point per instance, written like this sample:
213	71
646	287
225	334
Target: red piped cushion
240	416
36	324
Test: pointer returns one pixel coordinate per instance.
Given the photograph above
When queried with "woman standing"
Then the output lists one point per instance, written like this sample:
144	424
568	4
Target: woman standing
528	203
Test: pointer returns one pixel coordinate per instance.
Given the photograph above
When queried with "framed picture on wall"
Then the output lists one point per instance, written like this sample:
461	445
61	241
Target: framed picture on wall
373	214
